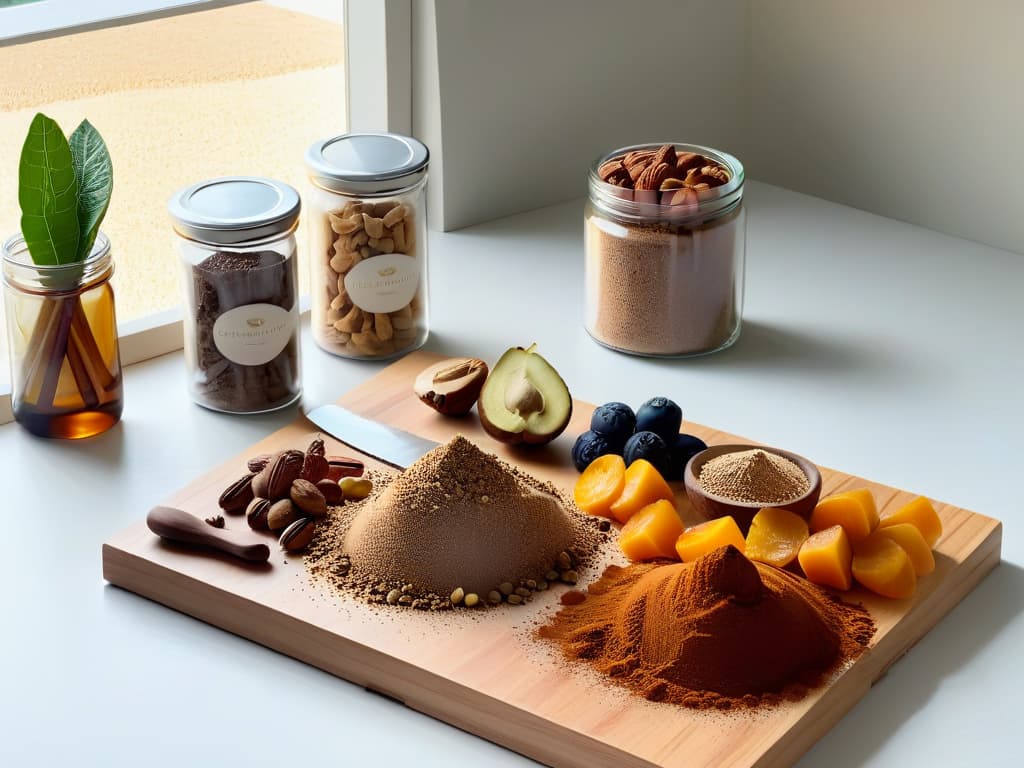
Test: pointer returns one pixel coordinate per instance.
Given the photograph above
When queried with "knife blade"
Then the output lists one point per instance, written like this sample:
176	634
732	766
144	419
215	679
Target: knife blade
388	444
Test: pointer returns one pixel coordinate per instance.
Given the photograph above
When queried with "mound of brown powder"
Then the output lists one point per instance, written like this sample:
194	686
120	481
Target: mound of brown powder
457	518
721	632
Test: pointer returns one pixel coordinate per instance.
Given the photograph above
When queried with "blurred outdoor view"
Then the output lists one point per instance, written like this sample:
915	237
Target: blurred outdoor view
242	89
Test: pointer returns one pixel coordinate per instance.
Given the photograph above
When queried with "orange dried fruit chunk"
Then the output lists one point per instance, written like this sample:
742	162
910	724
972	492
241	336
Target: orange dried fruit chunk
644	485
651	532
919	513
600	484
854	510
701	539
884	567
913	543
775	536
827	557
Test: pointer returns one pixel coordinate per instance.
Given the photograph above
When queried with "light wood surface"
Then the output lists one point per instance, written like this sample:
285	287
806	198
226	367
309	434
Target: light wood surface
483	671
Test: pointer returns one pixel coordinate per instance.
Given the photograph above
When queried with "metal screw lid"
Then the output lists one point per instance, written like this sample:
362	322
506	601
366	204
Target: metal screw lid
367	163
234	209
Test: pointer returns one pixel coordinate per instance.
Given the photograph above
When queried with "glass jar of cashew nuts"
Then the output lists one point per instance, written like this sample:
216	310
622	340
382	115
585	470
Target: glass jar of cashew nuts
367	244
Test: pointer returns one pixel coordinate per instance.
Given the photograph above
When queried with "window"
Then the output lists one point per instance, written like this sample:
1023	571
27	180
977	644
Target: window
238	88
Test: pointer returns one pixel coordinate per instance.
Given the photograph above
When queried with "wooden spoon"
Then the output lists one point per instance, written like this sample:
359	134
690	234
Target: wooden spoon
178	525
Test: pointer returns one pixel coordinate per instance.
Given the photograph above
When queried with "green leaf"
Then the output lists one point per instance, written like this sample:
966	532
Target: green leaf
48	194
95	175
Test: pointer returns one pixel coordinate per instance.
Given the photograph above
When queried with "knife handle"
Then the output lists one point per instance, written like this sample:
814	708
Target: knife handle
178	525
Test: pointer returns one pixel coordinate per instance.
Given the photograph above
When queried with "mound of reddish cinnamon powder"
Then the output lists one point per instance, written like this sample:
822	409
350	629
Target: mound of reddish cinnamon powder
721	632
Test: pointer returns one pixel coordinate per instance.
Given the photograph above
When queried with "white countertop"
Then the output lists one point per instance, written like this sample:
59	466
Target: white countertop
869	345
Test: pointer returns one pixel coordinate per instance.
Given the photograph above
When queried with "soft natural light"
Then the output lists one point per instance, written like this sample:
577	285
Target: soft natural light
242	89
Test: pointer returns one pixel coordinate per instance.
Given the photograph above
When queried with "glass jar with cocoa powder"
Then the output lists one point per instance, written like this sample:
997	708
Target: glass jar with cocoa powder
236	241
665	240
368	244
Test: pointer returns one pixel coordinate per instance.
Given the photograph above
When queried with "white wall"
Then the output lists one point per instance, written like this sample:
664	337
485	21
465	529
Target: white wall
912	109
530	92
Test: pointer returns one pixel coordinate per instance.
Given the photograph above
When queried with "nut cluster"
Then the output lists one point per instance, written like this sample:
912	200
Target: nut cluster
360	231
288	491
662	175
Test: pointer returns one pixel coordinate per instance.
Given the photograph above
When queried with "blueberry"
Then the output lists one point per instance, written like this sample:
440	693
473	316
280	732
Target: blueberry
616	421
660	416
681	451
647	445
588	447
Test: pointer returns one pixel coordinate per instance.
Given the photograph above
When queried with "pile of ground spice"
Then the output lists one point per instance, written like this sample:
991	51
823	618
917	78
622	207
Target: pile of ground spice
754	476
457	519
721	632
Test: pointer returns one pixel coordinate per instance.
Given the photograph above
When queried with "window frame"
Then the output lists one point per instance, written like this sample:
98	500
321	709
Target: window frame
369	26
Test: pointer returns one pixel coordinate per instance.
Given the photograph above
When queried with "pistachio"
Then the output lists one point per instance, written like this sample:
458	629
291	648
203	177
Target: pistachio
355	488
297	536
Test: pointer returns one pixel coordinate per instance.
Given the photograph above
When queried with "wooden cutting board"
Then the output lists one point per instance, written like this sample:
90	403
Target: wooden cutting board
482	671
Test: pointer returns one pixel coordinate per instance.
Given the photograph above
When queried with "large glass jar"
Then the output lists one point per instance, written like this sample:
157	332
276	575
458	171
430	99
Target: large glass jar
665	250
237	248
366	218
62	333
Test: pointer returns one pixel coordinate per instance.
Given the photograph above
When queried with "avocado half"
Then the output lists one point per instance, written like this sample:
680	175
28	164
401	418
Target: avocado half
524	399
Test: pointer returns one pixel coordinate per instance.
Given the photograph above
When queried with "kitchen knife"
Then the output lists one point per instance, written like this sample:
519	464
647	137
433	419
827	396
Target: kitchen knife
392	446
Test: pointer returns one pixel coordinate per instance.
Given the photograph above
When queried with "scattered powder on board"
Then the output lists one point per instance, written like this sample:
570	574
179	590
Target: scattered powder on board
719	633
458	518
755	476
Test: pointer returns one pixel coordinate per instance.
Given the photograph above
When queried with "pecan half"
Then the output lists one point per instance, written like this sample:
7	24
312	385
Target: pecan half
281	473
236	497
665	154
614	172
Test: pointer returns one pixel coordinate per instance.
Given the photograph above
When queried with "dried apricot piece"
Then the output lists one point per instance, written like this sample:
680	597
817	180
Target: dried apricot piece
913	543
826	558
600	484
919	513
652	532
644	485
701	539
884	567
775	536
854	510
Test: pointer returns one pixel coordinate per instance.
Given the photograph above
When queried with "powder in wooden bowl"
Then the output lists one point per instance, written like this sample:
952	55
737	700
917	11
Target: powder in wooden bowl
721	632
754	476
458	518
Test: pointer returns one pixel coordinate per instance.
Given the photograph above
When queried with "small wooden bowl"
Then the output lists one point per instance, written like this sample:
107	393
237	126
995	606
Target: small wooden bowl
710	506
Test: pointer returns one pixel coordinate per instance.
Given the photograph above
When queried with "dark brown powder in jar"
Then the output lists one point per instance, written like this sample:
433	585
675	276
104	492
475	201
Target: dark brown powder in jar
457	518
664	289
721	632
226	281
754	476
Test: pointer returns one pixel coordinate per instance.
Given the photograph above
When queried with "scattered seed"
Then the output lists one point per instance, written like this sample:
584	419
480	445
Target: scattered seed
570	577
564	561
506	588
522	591
494	597
405	600
457	594
541	586
530	584
393	596
514	599
551	575
471	599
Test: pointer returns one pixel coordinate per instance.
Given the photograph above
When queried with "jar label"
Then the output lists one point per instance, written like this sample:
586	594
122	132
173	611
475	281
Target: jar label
384	283
254	334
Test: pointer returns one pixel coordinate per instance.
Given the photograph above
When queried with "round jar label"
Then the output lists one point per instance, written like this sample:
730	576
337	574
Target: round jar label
384	283
253	334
